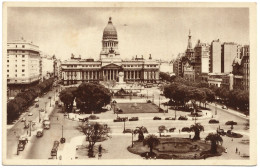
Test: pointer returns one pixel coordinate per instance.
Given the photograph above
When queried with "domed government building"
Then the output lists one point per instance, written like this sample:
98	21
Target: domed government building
109	65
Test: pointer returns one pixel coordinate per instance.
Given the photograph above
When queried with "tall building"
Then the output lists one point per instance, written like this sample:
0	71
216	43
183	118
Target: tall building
241	67
228	54
23	65
215	57
190	51
201	63
47	65
109	65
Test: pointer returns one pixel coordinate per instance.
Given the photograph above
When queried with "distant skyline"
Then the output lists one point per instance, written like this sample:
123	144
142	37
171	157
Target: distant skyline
162	32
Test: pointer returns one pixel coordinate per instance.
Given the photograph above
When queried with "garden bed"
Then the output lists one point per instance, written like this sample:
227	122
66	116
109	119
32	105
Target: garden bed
128	108
177	148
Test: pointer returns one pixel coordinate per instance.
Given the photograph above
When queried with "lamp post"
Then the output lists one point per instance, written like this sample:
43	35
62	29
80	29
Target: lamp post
45	107
39	116
153	98
124	125
215	108
159	102
175	111
147	95
50	102
132	138
30	125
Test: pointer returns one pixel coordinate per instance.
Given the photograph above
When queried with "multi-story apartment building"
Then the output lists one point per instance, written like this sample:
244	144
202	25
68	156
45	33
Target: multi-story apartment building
23	65
229	52
215	57
201	63
47	68
110	64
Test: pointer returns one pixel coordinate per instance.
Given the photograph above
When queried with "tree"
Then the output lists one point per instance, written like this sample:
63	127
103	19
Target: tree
161	129
93	96
215	139
151	141
94	132
140	131
164	76
197	128
67	97
13	111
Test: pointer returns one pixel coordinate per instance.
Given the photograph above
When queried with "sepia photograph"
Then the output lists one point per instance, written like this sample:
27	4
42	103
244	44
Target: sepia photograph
129	83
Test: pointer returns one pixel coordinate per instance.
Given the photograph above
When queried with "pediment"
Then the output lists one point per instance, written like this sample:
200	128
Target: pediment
111	65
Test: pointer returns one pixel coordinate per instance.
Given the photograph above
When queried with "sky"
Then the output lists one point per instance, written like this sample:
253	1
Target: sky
161	32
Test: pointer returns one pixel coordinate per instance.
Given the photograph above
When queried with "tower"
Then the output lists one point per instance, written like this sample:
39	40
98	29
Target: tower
190	51
109	42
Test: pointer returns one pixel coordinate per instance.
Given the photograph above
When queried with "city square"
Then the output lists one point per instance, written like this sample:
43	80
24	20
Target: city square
75	105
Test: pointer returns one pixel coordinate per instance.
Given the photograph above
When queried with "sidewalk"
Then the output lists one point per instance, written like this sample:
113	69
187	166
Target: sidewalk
230	111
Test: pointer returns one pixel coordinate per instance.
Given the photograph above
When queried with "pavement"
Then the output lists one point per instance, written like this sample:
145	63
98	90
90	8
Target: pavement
116	146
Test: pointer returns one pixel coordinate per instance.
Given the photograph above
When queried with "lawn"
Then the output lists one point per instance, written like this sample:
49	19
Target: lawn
138	108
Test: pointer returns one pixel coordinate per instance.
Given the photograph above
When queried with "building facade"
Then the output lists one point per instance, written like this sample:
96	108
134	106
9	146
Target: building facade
215	56
109	65
228	54
23	62
23	65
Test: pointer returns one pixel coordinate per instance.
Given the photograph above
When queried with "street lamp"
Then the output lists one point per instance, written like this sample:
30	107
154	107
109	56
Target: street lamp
153	98
147	95
215	108
124	125
45	107
132	138
39	116
50	101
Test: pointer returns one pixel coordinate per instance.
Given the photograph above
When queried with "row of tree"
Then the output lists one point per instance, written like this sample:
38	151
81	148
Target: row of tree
181	94
89	97
182	91
25	99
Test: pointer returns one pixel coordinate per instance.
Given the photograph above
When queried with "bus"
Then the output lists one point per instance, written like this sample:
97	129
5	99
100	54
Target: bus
55	149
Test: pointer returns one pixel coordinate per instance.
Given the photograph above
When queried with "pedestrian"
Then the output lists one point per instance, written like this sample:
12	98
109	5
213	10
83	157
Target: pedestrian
179	131
236	150
100	149
190	136
57	118
27	132
232	139
206	113
226	150
204	156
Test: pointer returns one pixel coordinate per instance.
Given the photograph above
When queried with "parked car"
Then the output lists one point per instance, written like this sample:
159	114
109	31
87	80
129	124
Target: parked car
37	99
42	110
182	118
134	119
49	97
121	119
213	121
39	133
93	117
221	132
23	119
30	114
157	118
224	107
83	119
185	129
169	118
231	123
36	105
172	129
127	131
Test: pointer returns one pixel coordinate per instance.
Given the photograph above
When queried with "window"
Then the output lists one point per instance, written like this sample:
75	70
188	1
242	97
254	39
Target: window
22	70
7	70
15	46
7	65
7	76
16	70
23	46
23	75
23	51
15	75
23	56
7	60
15	65
23	65
23	60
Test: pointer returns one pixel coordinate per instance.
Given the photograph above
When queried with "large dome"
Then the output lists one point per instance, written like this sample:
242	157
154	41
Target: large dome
110	31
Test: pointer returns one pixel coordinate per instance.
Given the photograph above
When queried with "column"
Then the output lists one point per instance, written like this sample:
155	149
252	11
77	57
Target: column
110	74
130	74
134	75
103	77
126	74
